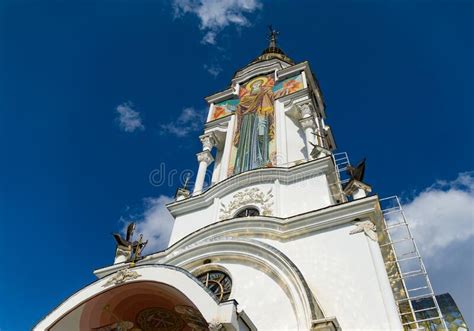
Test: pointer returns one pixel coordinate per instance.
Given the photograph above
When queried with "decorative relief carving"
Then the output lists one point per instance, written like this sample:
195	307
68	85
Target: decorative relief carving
306	109
307	122
251	196
368	228
121	277
216	326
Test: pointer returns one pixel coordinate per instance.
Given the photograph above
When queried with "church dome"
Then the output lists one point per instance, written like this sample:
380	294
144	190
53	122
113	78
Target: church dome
273	52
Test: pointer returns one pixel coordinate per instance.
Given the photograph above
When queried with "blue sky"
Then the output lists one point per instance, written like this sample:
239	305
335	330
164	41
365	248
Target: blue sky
95	95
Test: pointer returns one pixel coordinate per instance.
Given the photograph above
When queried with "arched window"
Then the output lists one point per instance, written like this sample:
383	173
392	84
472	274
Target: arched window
248	212
218	282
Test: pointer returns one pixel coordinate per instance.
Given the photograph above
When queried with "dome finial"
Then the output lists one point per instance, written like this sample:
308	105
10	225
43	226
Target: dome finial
272	36
272	51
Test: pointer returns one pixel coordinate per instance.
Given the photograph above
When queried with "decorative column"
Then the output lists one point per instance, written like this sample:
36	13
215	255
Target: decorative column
205	159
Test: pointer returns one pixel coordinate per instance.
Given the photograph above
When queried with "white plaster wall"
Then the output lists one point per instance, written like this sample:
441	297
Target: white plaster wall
282	157
217	167
305	195
341	272
296	145
188	223
262	299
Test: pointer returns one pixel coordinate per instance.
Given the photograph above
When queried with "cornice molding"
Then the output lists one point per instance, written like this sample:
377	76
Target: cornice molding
220	122
220	96
289	99
286	229
290	71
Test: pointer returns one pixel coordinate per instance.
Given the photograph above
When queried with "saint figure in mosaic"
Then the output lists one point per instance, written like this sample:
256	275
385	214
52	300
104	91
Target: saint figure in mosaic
255	125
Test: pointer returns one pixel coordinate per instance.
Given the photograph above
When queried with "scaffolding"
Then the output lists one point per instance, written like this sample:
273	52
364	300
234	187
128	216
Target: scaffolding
341	160
411	286
416	301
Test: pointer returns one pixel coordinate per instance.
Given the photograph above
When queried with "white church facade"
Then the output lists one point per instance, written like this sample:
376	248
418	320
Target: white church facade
275	239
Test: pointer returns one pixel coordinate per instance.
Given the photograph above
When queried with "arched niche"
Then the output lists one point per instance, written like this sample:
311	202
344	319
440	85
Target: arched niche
140	305
148	292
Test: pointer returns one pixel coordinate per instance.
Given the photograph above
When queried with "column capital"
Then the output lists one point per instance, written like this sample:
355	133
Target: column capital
306	109
208	140
307	122
205	156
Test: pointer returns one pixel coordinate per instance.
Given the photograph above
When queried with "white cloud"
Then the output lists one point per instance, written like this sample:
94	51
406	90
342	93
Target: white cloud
215	15
129	120
155	223
442	221
213	70
443	214
190	120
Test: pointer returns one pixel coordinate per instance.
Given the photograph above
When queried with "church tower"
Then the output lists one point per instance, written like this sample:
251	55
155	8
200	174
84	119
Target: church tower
278	233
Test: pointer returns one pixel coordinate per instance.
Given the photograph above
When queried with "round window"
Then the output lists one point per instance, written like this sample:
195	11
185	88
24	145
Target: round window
218	282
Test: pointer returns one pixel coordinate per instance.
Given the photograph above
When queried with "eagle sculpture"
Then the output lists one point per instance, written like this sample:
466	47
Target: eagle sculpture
127	241
357	172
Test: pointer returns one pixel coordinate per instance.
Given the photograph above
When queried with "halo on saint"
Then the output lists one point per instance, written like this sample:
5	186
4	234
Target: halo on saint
263	80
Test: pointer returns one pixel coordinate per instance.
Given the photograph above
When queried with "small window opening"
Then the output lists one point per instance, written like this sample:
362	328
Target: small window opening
248	212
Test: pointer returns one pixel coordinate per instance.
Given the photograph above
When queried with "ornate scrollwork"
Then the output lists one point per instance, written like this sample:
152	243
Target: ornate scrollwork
121	277
251	196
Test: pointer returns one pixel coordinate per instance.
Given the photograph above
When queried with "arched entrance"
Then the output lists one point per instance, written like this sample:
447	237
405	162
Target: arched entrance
142	305
145	298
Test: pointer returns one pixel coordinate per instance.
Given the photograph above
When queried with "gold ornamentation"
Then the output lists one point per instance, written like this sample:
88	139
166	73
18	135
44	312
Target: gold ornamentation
192	317
159	319
218	282
252	197
121	277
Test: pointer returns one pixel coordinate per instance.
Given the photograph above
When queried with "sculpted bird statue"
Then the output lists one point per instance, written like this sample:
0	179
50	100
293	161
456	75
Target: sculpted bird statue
358	171
127	241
